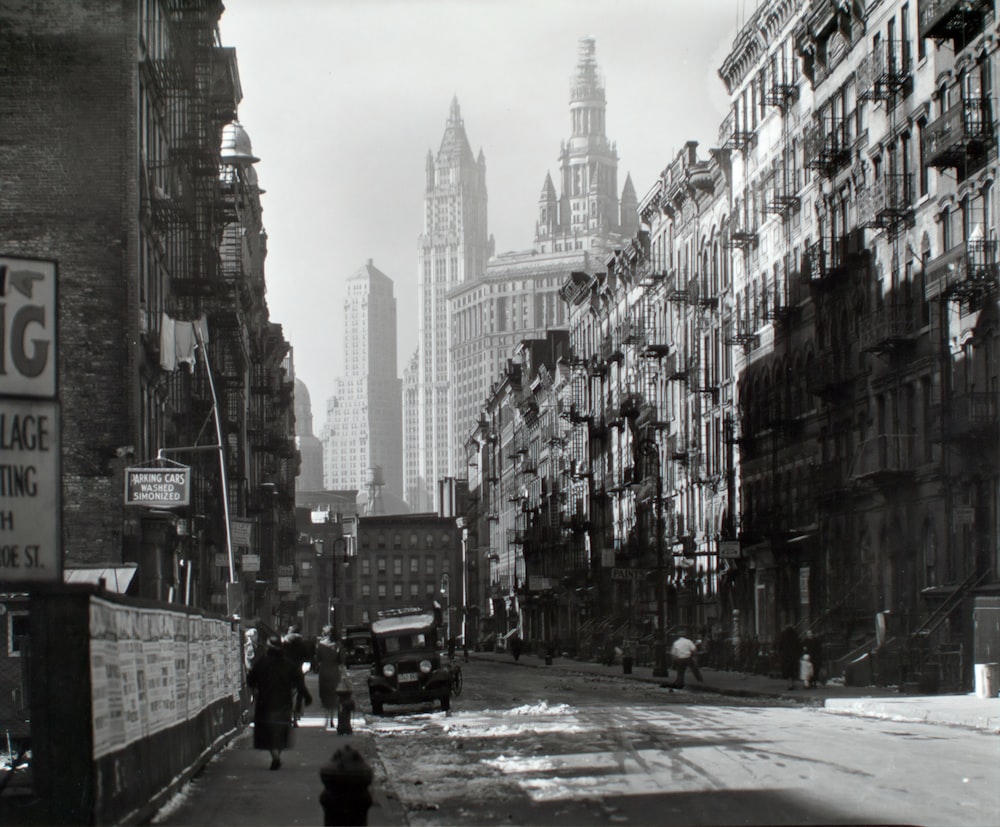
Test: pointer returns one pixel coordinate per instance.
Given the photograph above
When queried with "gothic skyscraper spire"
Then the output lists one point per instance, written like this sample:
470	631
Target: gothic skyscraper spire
589	208
454	248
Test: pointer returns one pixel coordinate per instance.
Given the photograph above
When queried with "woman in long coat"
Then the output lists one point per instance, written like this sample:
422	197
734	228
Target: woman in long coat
329	659
275	679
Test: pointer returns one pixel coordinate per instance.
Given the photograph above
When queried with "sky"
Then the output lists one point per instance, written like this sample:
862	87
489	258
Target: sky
343	99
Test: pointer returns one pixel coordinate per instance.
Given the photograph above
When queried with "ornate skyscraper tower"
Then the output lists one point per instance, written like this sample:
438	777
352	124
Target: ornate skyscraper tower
454	248
518	298
588	209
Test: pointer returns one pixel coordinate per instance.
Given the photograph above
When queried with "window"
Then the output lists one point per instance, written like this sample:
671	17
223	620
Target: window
429	567
381	590
397	591
380	562
414	590
414	565
366	567
17	628
429	590
397	566
366	589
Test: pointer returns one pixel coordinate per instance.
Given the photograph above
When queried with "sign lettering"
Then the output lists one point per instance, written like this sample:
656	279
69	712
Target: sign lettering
27	328
29	491
158	487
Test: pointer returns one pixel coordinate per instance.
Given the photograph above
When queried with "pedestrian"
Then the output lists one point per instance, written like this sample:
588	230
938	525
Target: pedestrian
276	680
789	650
252	650
814	647
683	653
516	646
297	651
329	663
806	671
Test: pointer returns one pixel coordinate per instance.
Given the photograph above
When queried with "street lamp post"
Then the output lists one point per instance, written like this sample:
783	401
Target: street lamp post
446	594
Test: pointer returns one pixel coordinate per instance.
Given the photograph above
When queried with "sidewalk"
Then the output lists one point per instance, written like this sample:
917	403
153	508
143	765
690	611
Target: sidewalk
239	790
964	710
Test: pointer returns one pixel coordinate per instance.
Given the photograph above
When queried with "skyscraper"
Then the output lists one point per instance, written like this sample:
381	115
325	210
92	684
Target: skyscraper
363	436
517	297
453	250
310	476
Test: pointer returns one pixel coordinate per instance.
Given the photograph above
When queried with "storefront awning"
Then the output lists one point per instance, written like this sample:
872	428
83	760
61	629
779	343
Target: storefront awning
116	578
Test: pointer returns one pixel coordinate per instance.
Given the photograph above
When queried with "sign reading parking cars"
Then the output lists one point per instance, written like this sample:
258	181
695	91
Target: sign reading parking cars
30	486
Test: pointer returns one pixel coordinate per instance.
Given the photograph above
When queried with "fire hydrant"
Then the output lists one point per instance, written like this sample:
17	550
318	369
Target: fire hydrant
345	707
345	798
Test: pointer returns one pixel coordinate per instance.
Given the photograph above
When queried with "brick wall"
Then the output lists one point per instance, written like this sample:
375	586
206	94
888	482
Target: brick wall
68	192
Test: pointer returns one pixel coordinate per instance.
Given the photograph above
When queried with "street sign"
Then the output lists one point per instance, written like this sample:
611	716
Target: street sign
27	328
158	487
30	546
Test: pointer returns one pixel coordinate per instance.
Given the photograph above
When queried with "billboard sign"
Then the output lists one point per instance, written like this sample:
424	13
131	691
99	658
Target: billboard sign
28	328
30	546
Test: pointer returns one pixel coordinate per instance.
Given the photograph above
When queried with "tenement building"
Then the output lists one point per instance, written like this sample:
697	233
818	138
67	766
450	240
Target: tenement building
780	402
135	176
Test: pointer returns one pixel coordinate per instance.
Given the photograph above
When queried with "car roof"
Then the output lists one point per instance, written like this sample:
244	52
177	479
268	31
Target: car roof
406	623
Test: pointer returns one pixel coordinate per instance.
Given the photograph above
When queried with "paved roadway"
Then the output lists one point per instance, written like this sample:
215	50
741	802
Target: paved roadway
547	746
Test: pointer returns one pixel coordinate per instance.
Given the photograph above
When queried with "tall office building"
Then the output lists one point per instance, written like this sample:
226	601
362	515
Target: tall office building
364	428
518	297
454	248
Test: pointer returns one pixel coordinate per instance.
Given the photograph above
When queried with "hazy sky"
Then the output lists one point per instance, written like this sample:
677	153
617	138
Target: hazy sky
342	99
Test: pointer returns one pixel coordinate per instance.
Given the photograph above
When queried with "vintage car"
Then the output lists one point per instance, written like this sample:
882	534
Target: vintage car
406	666
357	642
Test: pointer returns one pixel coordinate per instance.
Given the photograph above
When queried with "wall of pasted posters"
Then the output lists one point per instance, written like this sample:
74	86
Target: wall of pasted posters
152	669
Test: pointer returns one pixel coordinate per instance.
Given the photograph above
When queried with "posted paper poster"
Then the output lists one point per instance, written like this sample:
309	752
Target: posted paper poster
151	669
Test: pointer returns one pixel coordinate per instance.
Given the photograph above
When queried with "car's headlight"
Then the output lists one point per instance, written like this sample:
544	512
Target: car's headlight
389	670
425	666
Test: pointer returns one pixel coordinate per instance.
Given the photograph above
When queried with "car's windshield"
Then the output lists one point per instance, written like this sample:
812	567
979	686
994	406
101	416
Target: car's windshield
402	642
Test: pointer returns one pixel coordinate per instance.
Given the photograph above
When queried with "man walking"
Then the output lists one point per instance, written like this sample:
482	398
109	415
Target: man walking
683	654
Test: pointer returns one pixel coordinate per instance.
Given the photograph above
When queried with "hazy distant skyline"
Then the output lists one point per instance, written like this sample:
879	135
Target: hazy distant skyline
343	99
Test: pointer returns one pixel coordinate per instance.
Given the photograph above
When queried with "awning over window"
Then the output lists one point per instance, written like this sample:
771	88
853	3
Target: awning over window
116	578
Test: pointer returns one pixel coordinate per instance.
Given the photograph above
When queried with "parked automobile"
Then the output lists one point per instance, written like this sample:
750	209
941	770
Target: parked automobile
407	666
357	644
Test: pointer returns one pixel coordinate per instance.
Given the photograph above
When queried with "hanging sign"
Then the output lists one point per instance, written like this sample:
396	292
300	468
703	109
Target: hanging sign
158	487
629	574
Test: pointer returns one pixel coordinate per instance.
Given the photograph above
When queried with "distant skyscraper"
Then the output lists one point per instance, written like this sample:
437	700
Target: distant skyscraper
454	248
364	416
518	296
411	437
310	476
